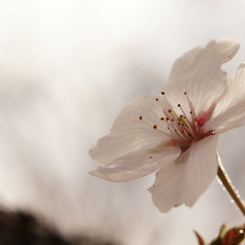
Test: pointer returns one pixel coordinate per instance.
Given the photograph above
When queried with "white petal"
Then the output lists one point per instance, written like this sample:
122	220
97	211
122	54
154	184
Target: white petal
198	73
129	133
185	179
137	164
230	111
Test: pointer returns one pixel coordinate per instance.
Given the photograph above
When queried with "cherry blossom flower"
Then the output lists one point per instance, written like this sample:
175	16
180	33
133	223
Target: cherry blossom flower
175	133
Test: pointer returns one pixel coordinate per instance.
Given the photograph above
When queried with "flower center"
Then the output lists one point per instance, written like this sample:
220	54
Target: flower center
183	126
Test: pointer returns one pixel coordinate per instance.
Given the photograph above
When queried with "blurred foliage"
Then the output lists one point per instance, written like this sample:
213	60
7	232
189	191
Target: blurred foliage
21	228
233	236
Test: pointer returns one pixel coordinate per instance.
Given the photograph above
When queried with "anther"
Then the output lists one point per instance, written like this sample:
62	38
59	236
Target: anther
140	117
157	99
154	126
162	93
169	110
162	118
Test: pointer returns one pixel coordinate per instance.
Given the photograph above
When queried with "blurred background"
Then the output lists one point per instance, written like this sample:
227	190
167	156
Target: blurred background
66	70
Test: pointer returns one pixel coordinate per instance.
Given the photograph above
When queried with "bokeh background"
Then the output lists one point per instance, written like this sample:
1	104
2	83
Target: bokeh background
66	69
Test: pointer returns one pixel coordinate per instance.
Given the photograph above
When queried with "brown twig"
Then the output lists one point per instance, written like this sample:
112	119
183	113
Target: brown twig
223	176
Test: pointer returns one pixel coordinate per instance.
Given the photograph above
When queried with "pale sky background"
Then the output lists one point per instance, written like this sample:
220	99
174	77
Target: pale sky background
66	70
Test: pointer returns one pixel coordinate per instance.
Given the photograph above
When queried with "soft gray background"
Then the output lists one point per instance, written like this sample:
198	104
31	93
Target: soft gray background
66	69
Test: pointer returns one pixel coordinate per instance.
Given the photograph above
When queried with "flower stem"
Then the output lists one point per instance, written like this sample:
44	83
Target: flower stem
223	176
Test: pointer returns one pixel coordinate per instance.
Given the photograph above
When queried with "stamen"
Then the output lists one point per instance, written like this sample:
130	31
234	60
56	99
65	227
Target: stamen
177	123
193	113
170	110
175	131
182	128
184	120
155	127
